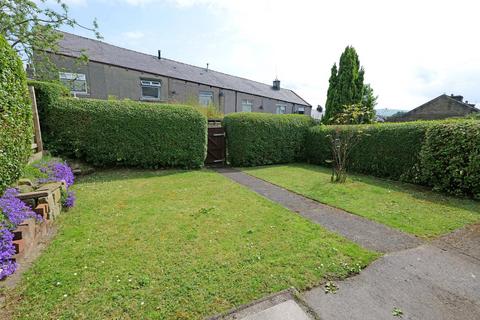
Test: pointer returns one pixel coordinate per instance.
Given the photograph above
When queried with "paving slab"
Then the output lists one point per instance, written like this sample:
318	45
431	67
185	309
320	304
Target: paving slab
465	240
367	233
426	282
283	305
288	310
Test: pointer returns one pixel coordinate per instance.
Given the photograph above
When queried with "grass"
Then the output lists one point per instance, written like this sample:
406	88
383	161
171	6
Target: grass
409	208
174	245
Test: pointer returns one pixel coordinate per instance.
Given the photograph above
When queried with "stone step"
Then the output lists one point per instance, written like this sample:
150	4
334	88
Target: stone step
280	306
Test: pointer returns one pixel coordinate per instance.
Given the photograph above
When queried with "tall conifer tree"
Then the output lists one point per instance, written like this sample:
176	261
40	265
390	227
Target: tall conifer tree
345	85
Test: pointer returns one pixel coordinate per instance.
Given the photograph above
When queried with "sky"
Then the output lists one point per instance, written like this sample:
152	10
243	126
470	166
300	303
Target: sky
412	51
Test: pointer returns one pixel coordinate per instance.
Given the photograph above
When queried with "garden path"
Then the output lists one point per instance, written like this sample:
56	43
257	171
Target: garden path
413	280
435	281
367	233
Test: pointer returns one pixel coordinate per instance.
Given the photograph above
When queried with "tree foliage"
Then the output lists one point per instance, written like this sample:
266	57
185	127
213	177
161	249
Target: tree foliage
30	25
346	88
369	101
345	84
354	114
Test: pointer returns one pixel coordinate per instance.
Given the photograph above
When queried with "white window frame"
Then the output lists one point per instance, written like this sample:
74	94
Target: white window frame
247	105
280	107
205	94
68	78
301	109
151	84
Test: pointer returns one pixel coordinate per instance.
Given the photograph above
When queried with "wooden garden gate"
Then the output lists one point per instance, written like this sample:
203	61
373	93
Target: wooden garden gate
216	149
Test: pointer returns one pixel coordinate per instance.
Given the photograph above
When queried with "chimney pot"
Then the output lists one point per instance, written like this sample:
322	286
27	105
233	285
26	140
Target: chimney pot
458	98
159	54
276	84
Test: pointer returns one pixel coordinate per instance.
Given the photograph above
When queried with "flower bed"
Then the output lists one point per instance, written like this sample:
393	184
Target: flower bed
60	171
24	217
14	211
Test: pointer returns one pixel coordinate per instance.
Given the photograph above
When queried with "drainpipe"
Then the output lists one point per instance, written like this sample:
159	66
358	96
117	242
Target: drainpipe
236	101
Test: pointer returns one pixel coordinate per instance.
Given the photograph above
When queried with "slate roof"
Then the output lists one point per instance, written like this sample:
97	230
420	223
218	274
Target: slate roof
467	106
98	51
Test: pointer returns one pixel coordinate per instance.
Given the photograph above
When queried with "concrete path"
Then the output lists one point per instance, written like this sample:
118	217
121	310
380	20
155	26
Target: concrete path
437	281
427	283
368	234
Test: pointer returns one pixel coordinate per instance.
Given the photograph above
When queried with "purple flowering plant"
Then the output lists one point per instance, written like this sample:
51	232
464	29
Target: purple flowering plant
58	171
7	251
69	201
13	211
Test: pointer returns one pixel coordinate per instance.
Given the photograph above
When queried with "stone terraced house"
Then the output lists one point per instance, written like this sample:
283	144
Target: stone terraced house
117	72
442	107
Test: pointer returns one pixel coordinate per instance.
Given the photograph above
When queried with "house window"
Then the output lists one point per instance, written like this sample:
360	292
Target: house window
247	105
205	98
281	109
76	82
150	89
301	110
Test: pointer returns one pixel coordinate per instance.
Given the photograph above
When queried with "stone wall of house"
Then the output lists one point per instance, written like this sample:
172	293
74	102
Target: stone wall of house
106	81
439	108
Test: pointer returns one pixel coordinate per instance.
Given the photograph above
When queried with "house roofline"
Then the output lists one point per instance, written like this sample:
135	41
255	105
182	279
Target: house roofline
440	96
187	80
461	102
173	77
307	104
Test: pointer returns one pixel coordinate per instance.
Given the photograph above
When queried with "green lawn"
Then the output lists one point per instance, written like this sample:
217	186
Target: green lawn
174	245
406	207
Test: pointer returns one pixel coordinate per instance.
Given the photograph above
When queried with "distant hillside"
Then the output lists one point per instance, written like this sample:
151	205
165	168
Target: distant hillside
385	112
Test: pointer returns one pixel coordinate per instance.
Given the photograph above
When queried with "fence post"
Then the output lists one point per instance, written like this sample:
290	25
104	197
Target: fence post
36	120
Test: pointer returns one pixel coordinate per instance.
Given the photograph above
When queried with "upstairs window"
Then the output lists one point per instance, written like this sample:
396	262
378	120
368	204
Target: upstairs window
247	105
150	89
76	82
281	109
205	98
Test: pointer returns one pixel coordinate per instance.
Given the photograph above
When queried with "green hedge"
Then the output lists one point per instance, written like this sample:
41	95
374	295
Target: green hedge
388	150
46	94
258	138
16	122
106	133
450	158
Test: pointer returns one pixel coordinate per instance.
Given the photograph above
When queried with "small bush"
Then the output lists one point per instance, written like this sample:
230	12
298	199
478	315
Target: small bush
106	133
384	150
450	158
16	125
259	138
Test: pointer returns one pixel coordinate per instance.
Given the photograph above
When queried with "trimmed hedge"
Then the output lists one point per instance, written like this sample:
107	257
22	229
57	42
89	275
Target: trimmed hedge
128	133
16	124
258	138
388	150
46	94
450	158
